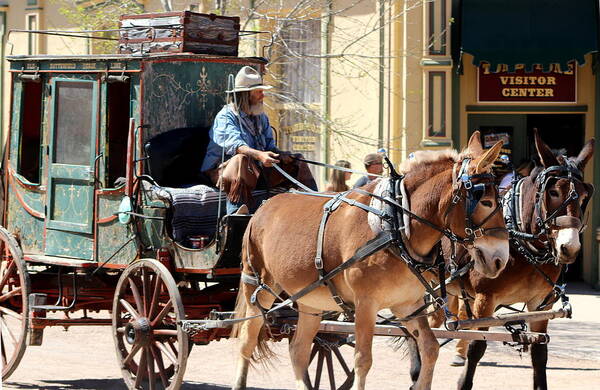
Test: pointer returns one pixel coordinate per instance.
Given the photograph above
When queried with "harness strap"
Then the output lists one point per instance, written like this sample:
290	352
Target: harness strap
381	241
556	292
465	297
351	202
249	279
336	167
329	208
445	232
292	179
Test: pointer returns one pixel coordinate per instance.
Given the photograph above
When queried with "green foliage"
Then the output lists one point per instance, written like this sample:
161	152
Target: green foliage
99	15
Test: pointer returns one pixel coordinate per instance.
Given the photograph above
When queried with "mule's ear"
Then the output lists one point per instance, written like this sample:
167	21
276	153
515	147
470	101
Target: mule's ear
485	162
585	154
547	158
474	144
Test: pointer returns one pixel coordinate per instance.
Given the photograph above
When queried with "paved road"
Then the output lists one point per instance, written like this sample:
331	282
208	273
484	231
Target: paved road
66	358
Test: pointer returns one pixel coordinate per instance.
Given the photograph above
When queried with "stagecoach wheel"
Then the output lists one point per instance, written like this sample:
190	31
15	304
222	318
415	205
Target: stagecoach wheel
326	351
14	304
151	347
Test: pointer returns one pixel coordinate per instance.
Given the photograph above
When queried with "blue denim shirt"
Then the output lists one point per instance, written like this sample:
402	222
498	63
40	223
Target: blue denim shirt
227	133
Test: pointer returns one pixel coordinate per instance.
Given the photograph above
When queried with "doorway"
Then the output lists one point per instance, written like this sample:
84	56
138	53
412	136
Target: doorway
558	131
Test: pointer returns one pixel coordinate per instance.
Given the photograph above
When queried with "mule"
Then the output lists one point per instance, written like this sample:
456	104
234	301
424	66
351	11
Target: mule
280	243
531	279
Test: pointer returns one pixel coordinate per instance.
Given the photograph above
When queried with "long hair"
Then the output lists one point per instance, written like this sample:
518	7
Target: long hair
241	100
337	180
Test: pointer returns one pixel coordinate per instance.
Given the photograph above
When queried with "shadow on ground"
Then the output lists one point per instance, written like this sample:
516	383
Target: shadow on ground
494	364
104	384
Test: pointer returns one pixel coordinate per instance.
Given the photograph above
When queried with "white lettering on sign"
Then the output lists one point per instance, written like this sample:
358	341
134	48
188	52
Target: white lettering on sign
527	92
528	80
303	147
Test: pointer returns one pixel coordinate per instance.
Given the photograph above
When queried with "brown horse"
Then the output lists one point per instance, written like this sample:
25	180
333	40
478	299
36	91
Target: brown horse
531	279
280	244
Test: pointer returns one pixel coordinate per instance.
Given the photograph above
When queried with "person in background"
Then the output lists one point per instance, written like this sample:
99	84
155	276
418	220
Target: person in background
337	180
373	164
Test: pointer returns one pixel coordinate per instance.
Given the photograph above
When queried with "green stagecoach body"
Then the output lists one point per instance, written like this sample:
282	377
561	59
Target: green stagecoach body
67	148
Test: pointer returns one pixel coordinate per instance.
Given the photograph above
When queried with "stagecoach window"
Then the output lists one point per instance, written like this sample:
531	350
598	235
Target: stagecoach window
116	130
73	118
31	123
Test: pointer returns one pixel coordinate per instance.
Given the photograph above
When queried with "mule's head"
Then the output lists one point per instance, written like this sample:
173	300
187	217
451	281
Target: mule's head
477	215
559	198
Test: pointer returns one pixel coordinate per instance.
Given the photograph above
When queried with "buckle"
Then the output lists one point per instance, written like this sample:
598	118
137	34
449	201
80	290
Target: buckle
340	302
319	262
456	199
468	184
439	302
468	231
478	233
573	195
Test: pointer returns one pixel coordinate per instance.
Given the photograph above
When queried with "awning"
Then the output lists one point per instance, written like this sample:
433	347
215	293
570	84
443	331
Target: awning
529	31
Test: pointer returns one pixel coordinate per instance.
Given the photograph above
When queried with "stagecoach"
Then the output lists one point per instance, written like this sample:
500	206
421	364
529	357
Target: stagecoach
106	220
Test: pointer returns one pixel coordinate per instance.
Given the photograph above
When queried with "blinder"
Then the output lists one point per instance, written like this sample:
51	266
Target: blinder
473	194
546	178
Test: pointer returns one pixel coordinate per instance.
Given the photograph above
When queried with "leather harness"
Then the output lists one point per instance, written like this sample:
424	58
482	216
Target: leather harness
390	238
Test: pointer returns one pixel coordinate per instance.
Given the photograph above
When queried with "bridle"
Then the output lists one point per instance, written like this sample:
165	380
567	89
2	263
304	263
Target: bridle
463	183
545	223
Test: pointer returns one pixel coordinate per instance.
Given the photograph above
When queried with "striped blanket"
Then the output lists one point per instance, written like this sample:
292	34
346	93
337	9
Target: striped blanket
195	210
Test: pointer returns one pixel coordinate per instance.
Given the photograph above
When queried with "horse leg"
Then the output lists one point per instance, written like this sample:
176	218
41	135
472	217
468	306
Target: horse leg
300	345
483	307
428	350
365	317
415	359
249	332
539	353
461	345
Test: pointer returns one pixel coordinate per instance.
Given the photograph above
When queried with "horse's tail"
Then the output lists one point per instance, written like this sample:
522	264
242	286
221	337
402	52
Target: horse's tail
262	353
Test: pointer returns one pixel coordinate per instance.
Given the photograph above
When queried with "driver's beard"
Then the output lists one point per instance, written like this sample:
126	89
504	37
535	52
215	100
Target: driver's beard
256	109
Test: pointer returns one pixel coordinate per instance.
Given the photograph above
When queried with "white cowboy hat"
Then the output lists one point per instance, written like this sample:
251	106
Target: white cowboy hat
248	79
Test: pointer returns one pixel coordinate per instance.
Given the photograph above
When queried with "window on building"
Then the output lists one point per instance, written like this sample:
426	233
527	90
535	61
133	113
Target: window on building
437	27
32	2
436	104
300	61
30	135
32	39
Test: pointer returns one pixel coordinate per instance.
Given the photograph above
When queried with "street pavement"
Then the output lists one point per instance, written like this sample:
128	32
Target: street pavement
84	359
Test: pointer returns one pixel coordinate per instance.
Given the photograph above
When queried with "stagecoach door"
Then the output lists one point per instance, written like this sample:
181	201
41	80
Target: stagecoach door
71	160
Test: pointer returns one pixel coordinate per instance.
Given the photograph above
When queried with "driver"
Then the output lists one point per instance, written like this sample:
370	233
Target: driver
242	150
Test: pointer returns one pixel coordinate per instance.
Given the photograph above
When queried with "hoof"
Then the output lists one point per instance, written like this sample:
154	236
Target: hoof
458	361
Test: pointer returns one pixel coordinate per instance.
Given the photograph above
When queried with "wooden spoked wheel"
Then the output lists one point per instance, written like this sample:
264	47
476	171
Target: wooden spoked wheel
151	347
326	354
14	303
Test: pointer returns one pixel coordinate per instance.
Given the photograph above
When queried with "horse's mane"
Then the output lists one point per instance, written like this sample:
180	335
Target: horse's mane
423	158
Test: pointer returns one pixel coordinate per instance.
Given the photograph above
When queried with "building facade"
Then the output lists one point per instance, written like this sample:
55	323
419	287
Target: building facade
352	77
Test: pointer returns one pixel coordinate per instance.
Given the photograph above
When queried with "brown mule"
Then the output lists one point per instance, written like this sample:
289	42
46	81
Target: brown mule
280	245
520	281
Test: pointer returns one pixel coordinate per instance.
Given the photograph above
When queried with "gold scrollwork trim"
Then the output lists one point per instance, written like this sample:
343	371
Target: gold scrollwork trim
14	180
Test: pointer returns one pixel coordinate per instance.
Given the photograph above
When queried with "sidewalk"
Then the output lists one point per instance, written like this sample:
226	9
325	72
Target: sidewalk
578	337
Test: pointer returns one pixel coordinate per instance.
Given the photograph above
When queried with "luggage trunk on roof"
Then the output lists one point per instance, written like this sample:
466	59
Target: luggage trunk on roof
179	32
